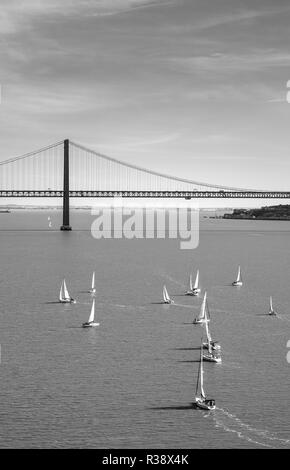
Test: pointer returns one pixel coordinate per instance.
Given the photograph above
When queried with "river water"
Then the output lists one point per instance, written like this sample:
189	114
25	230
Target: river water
130	382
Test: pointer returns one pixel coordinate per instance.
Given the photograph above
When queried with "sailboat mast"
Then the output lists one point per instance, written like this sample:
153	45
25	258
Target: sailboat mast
201	374
203	307
199	370
207	330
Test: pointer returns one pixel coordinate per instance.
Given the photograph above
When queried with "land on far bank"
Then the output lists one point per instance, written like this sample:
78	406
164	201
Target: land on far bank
279	212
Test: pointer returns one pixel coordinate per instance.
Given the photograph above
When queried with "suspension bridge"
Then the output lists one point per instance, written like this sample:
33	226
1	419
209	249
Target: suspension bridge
67	169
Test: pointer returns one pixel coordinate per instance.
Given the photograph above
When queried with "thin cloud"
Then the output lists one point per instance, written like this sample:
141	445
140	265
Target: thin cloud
221	20
224	63
16	15
133	144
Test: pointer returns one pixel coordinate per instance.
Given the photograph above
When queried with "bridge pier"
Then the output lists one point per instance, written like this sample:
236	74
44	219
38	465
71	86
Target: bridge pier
65	221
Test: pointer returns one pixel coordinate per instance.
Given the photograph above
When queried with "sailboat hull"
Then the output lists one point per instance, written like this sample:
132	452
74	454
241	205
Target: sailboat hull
214	346
237	283
210	358
205	404
168	302
90	324
197	322
67	301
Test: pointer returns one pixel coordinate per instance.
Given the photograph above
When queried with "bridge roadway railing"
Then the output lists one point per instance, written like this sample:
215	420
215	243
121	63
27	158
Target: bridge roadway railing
152	194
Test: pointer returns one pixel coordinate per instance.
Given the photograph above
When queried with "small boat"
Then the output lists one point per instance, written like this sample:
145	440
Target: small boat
190	286
271	310
93	288
193	289
196	290
215	346
64	296
201	318
200	397
166	298
211	355
238	281
90	323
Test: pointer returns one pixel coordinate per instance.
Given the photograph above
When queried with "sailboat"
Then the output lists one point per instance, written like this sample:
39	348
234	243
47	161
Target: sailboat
215	346
238	281
200	397
211	355
201	318
166	298
90	323
64	296
93	288
190	286
196	289
193	289
271	310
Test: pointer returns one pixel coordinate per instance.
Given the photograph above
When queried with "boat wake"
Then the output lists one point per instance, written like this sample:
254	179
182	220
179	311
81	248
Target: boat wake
178	283
231	423
283	318
191	307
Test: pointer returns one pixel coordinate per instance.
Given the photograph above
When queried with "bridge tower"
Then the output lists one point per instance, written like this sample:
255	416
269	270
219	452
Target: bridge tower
65	208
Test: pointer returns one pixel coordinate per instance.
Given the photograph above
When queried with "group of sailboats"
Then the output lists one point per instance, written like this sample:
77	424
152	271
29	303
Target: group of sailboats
193	289
209	351
239	282
65	297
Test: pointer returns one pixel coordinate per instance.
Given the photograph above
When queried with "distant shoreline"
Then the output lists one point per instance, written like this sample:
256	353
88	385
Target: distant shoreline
279	212
257	218
59	208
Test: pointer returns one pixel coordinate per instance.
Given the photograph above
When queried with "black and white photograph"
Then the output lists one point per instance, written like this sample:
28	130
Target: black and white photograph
144	227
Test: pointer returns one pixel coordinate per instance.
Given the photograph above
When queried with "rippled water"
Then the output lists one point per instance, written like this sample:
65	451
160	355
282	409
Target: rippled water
130	383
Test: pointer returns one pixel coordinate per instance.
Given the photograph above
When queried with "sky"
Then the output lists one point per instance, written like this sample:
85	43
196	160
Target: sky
192	88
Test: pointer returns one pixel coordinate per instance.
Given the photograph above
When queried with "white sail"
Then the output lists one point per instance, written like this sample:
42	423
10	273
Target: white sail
208	335
202	392
196	280
190	283
93	281
271	310
92	315
239	277
61	292
65	291
166	297
271	304
201	315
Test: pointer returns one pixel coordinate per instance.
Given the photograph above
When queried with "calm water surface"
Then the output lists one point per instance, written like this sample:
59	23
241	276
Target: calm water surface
130	383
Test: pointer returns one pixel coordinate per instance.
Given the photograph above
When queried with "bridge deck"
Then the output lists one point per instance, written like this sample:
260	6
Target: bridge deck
153	194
